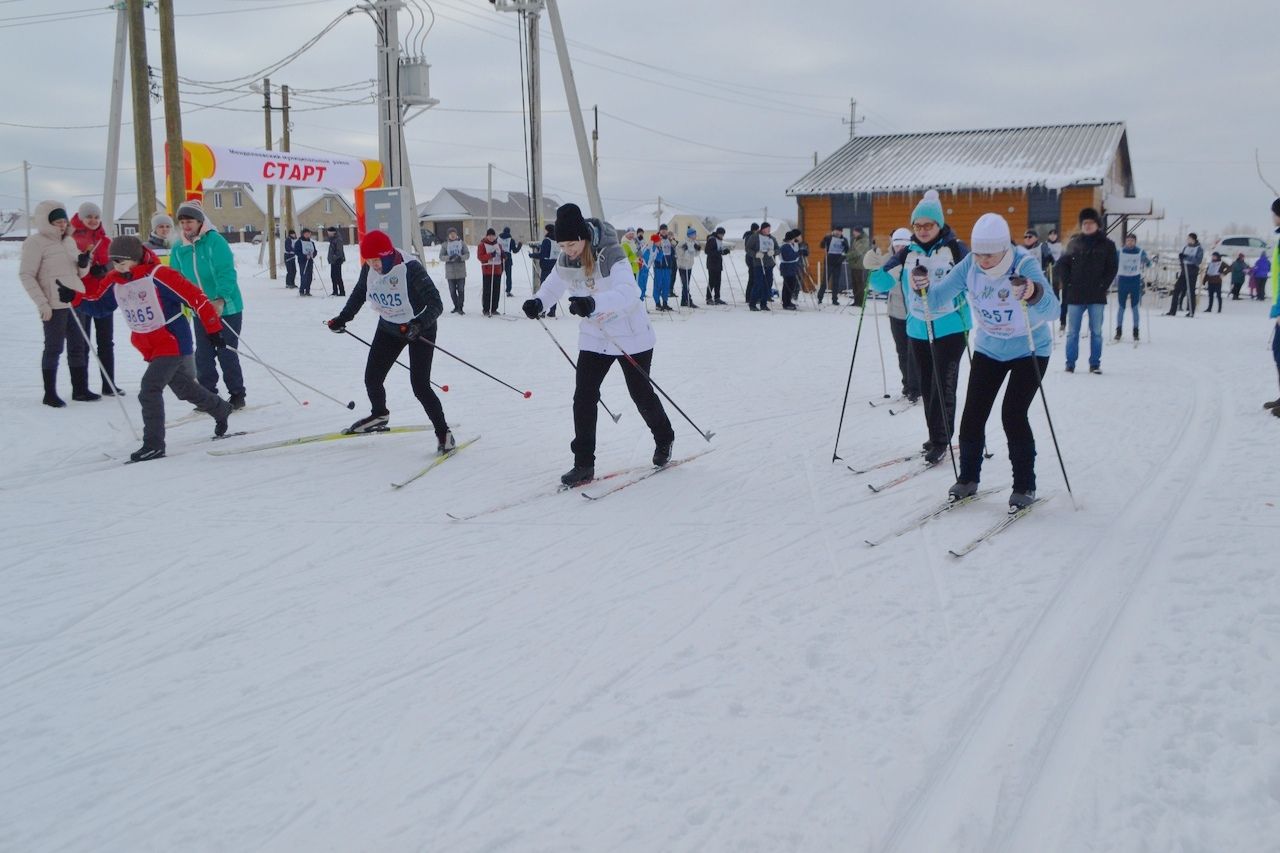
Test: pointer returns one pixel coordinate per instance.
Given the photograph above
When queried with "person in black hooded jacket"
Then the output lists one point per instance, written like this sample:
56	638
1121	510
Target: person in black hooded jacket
1085	271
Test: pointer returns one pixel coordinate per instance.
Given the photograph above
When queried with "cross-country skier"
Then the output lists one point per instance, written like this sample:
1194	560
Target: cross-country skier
897	310
1007	290
1190	257
510	247
151	296
491	265
405	298
307	251
716	250
837	246
789	266
594	270
937	333
1213	273
291	259
686	256
336	256
762	249
1132	262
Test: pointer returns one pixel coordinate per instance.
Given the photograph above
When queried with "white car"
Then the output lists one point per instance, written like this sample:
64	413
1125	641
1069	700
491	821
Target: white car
1234	244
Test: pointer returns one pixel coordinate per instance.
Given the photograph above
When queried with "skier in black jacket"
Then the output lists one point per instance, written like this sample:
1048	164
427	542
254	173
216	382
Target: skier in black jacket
407	302
715	250
1085	272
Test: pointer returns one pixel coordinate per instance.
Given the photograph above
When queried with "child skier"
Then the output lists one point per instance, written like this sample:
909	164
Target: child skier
1213	273
937	330
594	269
151	297
1013	307
407	302
1129	281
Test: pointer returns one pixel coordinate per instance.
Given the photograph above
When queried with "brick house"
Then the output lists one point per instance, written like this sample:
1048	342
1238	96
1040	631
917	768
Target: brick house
1039	177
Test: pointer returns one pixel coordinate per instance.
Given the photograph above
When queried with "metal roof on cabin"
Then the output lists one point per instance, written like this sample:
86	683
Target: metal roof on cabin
1007	158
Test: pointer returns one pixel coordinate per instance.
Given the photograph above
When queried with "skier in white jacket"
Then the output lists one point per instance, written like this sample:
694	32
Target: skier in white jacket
603	292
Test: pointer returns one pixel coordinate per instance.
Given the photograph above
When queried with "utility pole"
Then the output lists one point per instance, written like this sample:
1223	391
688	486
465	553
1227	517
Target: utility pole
172	110
271	195
143	153
113	119
595	143
529	12
852	120
488	212
26	192
284	144
575	109
659	210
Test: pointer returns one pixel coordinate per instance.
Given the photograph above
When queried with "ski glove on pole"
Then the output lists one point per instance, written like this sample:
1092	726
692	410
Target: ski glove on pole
216	341
583	306
66	294
919	278
533	308
336	325
411	330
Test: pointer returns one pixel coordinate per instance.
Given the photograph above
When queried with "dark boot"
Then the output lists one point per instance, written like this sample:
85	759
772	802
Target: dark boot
578	475
109	369
662	453
51	397
80	385
1023	458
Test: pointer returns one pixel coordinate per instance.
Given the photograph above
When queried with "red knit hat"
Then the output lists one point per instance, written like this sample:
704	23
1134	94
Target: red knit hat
375	244
655	238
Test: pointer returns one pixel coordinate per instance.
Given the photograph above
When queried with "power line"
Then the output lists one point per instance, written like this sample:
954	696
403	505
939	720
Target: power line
700	144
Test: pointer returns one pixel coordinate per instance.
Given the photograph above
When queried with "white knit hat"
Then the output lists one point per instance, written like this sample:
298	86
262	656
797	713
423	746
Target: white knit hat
990	234
901	237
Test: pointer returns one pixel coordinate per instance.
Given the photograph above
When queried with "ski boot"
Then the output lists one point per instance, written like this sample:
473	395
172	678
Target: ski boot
146	453
445	443
578	475
662	453
220	415
1117	337
961	490
1019	501
373	423
934	454
237	401
1272	404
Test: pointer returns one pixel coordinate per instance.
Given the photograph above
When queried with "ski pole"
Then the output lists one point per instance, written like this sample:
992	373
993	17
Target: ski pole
240	340
111	382
348	405
835	454
937	380
1035	361
875	318
525	394
398	361
705	435
574	364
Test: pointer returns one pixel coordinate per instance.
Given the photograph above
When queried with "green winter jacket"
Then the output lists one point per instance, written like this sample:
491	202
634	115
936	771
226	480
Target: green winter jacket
209	263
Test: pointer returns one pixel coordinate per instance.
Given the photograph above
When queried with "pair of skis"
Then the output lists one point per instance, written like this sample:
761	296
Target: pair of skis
612	483
889	463
945	507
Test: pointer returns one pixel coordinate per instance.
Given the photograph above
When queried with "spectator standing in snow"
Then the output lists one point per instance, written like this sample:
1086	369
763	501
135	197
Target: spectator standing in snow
291	259
1258	277
716	250
546	253
1086	270
510	246
642	249
161	235
336	257
49	256
789	267
454	253
686	256
1130	264
1054	242
859	246
656	260
491	265
762	250
307	251
746	259
897	309
1213	273
1239	269
628	244
203	256
1040	251
837	246
92	241
1189	260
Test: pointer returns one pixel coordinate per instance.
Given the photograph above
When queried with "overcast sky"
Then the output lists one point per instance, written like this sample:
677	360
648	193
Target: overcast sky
727	102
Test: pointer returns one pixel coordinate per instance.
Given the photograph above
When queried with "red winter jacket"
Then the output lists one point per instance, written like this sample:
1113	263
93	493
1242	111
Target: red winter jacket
490	255
173	291
95	242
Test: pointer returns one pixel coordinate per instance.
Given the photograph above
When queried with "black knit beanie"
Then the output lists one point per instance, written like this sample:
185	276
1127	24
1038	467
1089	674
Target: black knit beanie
570	224
1275	207
56	214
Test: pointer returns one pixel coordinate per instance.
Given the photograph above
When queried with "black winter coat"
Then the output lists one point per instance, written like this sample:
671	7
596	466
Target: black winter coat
423	296
1087	268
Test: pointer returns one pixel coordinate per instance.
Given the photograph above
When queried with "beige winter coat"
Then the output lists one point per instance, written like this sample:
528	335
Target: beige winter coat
47	259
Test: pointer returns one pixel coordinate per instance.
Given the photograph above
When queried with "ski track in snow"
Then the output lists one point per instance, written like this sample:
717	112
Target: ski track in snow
275	651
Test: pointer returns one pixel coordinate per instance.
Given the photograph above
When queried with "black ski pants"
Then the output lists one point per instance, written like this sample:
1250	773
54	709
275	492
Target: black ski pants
386	347
713	283
790	289
1215	291
943	359
100	330
592	368
335	278
985	378
906	358
491	291
290	272
685	276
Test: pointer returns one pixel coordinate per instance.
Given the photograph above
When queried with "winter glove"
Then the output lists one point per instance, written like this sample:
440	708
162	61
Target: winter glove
65	294
337	325
98	270
1024	290
46	312
83	260
919	278
533	308
583	306
411	330
216	341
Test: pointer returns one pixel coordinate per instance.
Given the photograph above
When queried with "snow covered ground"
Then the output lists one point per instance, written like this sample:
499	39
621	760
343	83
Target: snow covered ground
277	652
